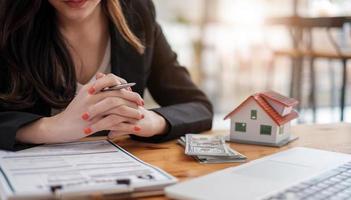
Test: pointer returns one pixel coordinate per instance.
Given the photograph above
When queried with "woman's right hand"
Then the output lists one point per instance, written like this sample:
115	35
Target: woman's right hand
90	105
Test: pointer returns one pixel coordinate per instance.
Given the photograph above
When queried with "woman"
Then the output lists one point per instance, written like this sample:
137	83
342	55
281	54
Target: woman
56	57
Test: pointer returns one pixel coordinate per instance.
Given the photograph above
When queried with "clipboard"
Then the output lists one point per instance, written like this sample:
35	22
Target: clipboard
78	169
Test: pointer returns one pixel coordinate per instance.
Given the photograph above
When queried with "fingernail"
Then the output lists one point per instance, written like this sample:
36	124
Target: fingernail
142	103
142	116
85	116
137	128
130	89
91	90
87	131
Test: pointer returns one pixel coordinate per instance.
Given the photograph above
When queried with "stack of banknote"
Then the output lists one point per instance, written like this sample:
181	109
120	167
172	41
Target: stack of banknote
210	149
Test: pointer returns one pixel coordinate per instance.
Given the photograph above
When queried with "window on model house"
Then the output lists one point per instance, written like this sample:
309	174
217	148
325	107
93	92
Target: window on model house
254	114
240	127
265	130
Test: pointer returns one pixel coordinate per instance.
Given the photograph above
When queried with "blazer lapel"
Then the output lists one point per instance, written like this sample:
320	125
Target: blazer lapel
126	62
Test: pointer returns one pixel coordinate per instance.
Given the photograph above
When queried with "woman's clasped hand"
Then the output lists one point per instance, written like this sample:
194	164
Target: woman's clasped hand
119	111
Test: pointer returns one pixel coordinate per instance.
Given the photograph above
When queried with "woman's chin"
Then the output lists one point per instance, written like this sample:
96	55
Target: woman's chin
76	10
77	16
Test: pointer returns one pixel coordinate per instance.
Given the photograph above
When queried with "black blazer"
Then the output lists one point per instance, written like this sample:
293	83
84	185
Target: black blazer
183	105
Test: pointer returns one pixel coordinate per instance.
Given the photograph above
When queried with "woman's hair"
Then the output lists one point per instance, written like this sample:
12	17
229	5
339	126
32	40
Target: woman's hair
35	56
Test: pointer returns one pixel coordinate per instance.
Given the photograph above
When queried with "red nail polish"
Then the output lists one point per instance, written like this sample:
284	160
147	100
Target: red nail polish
91	90
87	131
137	128
85	116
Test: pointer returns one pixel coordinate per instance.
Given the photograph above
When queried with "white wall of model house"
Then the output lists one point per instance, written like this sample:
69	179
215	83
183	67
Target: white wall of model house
252	133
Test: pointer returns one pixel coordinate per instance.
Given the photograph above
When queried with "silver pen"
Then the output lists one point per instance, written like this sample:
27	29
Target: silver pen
118	87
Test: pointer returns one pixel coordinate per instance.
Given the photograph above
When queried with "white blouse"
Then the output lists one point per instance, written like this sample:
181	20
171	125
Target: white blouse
105	67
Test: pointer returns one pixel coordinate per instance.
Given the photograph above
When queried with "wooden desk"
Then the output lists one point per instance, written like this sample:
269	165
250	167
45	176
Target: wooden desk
170	156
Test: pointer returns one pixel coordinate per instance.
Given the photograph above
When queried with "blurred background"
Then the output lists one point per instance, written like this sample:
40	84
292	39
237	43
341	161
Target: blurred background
234	48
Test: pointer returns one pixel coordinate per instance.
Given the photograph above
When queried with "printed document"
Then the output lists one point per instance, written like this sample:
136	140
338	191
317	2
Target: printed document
35	171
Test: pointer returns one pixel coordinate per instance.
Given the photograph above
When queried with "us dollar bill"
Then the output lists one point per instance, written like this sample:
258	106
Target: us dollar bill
206	145
222	159
233	156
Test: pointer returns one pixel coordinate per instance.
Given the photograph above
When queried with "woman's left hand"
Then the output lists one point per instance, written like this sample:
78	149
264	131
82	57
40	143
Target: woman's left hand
152	124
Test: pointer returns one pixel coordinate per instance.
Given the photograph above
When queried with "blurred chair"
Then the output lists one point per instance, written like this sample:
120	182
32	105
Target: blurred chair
300	29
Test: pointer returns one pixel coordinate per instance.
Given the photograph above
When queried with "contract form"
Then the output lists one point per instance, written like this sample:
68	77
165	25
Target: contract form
77	168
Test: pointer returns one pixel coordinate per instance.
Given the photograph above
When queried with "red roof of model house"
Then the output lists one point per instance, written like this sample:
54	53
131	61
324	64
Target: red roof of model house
280	99
276	117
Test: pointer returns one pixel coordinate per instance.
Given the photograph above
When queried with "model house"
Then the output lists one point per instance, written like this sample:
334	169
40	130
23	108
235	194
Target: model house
263	118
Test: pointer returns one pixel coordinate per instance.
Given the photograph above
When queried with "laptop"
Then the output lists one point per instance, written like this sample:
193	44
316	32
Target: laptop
273	177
